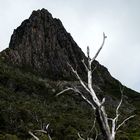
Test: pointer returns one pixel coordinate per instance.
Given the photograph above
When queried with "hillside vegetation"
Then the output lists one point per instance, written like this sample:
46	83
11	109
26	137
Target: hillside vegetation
28	102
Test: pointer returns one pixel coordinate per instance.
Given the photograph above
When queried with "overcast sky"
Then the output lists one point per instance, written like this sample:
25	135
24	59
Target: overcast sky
86	20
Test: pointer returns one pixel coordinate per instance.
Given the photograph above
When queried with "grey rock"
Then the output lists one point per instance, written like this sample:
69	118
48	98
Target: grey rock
41	44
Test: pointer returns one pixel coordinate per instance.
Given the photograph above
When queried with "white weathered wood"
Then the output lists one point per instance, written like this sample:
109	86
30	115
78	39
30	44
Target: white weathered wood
80	93
79	78
83	61
34	136
104	37
80	136
67	89
132	116
41	131
108	131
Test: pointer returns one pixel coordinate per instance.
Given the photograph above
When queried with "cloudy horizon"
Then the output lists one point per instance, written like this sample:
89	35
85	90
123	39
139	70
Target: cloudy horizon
86	21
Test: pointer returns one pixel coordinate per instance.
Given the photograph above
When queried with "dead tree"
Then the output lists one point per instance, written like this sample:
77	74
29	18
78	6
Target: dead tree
108	131
43	131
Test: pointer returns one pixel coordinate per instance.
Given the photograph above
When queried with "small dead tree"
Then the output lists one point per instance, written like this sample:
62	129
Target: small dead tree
43	131
108	131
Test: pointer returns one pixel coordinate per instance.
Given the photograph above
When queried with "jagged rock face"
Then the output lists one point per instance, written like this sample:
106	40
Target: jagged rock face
42	44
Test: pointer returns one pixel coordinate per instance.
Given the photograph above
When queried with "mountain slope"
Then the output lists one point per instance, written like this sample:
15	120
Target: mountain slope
35	68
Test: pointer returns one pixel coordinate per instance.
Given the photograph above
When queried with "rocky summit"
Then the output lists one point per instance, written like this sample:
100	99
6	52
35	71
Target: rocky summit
34	68
42	44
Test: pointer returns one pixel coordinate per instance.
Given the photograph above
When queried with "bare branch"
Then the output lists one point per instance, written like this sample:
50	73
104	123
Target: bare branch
110	119
88	55
115	120
67	89
49	137
94	69
114	123
85	98
132	116
121	89
104	37
119	105
47	126
103	101
83	61
80	80
76	90
80	136
45	131
34	136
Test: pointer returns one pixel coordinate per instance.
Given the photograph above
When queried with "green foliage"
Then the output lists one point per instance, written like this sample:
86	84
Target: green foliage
28	102
8	137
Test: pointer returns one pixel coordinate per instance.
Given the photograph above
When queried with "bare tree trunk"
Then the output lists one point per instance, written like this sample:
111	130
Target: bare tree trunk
103	124
108	131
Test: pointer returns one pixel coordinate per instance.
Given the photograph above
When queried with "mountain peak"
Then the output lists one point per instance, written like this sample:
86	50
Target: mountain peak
42	44
42	14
